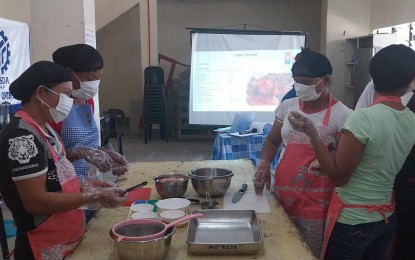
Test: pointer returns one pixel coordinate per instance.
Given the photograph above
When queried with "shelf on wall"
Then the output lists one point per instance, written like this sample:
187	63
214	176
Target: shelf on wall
358	53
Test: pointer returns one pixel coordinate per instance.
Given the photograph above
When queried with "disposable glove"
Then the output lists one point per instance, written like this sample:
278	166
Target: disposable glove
94	156
107	197
119	164
262	177
95	183
301	123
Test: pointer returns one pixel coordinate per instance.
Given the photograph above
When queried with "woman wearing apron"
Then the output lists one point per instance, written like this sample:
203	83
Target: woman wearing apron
299	184
37	182
79	130
404	184
375	142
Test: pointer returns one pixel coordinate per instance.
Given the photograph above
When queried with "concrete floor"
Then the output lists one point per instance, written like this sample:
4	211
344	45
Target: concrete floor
135	150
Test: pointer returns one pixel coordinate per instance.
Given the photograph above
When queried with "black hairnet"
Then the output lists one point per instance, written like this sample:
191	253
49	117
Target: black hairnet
312	65
79	58
44	73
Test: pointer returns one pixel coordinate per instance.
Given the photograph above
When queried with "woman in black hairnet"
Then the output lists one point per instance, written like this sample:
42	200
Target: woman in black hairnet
79	130
38	183
375	142
302	189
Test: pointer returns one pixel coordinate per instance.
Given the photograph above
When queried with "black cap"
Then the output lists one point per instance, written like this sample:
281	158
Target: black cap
44	73
312	65
79	58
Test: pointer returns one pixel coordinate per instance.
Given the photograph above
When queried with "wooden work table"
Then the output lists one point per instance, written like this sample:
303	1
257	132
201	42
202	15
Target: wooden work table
281	238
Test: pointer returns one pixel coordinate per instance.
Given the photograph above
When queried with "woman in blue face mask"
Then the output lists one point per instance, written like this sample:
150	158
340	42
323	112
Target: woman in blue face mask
79	130
299	184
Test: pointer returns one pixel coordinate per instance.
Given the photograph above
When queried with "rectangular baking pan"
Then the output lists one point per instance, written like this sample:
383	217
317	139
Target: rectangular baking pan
224	232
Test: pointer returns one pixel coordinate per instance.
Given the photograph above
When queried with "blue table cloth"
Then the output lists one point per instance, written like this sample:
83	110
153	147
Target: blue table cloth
227	147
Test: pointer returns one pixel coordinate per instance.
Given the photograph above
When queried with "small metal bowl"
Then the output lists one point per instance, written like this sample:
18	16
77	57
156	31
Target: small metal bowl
171	185
151	249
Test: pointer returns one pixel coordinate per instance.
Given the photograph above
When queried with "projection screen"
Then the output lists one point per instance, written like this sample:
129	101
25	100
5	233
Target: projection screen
234	71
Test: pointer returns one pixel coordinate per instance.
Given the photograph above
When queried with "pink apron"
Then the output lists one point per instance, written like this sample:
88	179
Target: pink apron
337	205
304	194
60	234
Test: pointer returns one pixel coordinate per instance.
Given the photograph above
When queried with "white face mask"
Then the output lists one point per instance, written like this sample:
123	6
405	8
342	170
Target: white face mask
307	92
63	108
87	89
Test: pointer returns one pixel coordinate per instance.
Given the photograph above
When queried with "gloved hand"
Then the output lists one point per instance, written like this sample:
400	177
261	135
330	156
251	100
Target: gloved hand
95	183
262	177
108	197
119	164
94	156
301	123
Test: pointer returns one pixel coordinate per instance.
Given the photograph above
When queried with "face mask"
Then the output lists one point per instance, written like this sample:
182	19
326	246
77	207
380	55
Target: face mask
307	92
62	109
87	89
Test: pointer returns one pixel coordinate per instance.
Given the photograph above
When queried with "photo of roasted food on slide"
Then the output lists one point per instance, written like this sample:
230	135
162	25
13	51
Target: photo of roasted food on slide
269	89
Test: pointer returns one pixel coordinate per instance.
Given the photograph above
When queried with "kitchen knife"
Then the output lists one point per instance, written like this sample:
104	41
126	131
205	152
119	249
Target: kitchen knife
144	183
239	193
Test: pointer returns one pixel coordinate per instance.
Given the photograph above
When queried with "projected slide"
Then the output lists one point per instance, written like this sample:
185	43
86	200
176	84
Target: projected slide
232	73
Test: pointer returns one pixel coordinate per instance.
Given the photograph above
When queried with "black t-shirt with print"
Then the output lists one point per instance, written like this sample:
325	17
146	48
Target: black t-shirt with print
24	155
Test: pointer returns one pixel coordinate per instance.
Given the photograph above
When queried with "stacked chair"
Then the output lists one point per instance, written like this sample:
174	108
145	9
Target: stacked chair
154	102
105	129
112	126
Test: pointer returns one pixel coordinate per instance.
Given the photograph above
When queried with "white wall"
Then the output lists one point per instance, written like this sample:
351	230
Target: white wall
18	10
175	16
345	19
119	44
388	13
55	24
108	10
357	18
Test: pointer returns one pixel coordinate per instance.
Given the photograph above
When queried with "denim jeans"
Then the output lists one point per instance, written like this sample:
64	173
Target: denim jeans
362	241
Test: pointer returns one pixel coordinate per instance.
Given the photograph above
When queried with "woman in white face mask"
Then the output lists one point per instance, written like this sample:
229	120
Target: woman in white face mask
299	184
375	142
37	181
79	130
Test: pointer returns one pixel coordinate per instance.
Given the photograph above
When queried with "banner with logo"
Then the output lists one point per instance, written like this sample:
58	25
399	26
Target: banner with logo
14	55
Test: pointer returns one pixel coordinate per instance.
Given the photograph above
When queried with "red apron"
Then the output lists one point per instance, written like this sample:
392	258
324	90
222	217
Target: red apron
61	232
303	192
337	205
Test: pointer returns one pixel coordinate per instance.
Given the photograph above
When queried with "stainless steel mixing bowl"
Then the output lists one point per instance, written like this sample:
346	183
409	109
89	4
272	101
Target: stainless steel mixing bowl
150	250
215	181
171	185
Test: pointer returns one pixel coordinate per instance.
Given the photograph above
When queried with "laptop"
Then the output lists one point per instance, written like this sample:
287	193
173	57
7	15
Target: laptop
242	122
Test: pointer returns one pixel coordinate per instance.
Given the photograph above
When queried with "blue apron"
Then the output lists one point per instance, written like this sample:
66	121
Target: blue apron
80	129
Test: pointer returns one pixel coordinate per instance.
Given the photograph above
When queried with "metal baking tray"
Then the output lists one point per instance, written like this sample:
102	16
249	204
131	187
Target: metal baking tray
224	232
